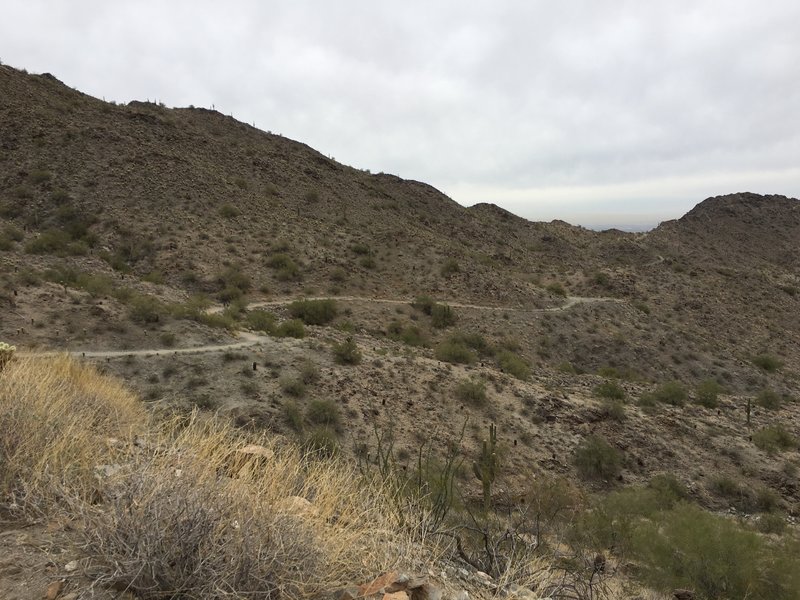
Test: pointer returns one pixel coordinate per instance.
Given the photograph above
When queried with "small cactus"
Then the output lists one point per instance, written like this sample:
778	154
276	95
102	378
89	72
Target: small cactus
485	469
6	352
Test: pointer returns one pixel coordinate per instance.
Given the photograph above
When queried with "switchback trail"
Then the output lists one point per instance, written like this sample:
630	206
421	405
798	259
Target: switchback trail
250	339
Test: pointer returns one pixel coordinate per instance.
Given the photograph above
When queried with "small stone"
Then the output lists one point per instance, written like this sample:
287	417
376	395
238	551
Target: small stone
348	593
70	596
395	596
71	566
681	594
462	595
54	590
377	584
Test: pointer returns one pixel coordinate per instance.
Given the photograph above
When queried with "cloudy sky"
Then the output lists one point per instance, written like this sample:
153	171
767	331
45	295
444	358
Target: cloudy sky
598	112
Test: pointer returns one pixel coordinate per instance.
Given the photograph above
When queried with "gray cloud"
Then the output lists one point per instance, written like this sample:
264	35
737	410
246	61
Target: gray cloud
540	107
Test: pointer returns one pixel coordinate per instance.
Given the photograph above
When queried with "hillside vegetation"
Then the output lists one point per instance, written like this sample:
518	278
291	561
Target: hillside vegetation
555	407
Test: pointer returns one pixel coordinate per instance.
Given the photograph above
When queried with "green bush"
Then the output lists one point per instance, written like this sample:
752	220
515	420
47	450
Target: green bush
293	386
454	352
229	211
472	392
557	289
260	320
292	415
347	352
292	328
408	334
321	441
596	459
769	399
284	266
361	249
475	341
672	393
767	362
323	412
774	439
146	309
688	547
450	267
368	262
610	390
442	315
308	372
424	304
614	409
314	312
513	365
707	392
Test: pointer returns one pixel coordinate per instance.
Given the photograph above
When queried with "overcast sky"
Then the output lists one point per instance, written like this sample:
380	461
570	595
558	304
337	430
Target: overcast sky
601	113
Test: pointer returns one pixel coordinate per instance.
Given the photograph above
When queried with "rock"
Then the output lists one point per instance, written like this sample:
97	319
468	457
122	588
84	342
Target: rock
347	593
395	596
70	596
682	594
71	566
426	591
105	471
378	584
54	590
462	595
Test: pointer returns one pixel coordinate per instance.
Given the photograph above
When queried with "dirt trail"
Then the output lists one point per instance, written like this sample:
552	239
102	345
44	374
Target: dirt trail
250	339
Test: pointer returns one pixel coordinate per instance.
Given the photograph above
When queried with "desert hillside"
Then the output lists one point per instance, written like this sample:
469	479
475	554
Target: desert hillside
214	267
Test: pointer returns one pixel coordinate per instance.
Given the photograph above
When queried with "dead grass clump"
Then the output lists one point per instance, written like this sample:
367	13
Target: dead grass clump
56	417
196	518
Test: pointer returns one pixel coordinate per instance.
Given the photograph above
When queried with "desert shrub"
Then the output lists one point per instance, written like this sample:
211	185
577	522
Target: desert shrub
443	315
472	392
292	415
293	328
229	211
221	320
450	267
347	352
614	409
454	352
368	262
613	518
314	312
769	399
767	362
475	341
323	412
610	390
557	289
424	304
167	339
360	249
293	386
233	283
672	393
773	439
602	279
284	266
513	365
260	320
146	309
38	176
717	558
771	523
321	441
707	392
408	334
596	459
308	372
55	241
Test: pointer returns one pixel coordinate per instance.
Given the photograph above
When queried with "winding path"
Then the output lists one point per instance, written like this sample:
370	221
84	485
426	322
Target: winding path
250	339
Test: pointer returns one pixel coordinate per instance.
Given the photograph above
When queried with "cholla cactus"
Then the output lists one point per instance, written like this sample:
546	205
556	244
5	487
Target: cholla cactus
6	352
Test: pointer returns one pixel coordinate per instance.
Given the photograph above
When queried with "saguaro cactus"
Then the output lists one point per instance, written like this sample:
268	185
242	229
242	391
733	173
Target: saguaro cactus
485	468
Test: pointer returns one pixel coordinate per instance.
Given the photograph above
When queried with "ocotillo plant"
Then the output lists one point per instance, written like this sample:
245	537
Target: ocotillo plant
485	469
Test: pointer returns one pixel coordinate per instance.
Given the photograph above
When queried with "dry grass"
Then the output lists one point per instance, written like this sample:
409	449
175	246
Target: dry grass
181	511
56	418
